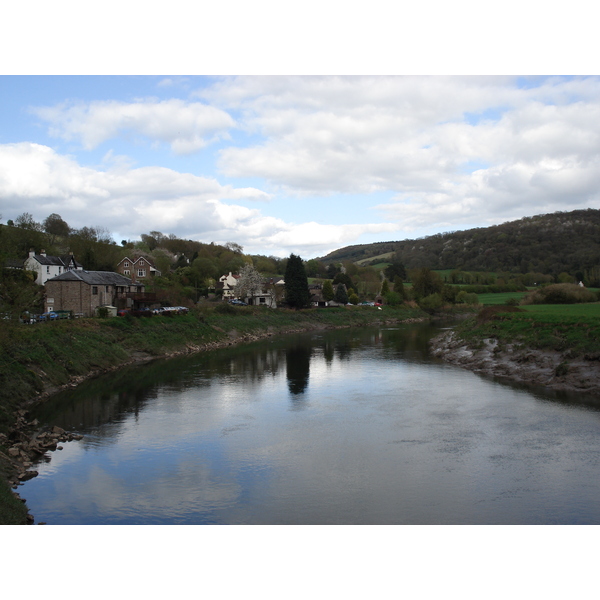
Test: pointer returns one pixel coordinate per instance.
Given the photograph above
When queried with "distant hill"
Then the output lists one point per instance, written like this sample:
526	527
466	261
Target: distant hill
550	244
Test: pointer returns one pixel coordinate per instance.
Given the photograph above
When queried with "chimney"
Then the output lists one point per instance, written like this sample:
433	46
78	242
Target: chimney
31	252
43	253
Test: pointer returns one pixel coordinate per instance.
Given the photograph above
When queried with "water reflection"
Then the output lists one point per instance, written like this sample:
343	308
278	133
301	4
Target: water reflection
297	360
353	426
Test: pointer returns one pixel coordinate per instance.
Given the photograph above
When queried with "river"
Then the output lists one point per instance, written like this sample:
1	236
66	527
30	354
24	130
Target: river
357	426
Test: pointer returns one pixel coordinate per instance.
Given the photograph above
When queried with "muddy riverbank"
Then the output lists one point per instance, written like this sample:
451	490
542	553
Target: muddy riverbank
561	371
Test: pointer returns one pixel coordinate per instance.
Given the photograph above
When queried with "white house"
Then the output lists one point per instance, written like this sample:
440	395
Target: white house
227	283
48	267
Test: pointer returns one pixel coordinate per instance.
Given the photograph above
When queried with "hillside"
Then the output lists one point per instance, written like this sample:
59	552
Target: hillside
550	244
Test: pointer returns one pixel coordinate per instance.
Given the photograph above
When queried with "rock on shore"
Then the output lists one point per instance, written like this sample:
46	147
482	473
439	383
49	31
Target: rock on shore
551	369
26	443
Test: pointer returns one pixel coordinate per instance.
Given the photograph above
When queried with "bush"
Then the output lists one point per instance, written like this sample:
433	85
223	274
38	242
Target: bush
431	303
102	312
464	297
560	293
225	309
393	299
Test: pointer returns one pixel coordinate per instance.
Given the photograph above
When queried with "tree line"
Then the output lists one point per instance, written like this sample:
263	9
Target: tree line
550	244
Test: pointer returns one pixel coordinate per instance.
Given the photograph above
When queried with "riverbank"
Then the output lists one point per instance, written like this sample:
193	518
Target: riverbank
525	347
38	361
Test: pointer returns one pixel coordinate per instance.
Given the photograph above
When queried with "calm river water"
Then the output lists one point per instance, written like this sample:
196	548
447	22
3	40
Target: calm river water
343	427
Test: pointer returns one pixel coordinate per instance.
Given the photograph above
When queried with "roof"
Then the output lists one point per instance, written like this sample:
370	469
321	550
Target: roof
59	261
136	258
95	278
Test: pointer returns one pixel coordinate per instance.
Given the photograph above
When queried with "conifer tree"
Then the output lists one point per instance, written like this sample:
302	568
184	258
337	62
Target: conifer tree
328	292
297	294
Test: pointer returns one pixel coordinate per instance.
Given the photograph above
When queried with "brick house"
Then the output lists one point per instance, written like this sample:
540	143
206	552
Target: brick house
137	268
84	291
48	267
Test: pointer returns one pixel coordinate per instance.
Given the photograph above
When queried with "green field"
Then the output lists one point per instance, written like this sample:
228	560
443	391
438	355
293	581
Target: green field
501	298
583	311
562	327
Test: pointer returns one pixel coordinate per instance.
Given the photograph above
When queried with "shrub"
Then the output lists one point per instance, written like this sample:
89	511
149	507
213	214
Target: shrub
393	299
464	297
431	303
560	293
102	312
225	309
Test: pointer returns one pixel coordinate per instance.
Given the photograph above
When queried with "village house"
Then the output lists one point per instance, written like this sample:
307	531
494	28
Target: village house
48	267
227	283
137	268
83	292
270	293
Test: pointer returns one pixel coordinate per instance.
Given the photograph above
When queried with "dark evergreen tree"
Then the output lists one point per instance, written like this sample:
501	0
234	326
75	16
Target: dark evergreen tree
297	294
396	269
343	278
341	295
328	290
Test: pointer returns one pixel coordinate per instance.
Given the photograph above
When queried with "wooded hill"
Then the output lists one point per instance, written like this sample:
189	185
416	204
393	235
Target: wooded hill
550	244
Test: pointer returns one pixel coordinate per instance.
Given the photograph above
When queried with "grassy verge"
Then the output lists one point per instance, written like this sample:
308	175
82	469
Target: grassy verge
573	328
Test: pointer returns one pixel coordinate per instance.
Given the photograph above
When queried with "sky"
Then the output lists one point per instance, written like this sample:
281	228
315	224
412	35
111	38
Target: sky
302	164
290	156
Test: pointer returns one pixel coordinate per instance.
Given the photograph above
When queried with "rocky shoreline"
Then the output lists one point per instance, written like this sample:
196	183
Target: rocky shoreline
558	371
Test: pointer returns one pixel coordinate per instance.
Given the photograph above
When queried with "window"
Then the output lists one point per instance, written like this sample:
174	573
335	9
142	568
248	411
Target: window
106	288
126	271
263	300
141	263
50	300
47	269
126	264
94	290
141	272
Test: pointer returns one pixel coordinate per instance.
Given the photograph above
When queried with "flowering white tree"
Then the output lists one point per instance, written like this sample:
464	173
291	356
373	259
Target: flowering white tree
249	283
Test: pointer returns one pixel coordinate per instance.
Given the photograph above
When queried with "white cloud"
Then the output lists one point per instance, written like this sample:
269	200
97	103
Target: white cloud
187	127
128	202
458	150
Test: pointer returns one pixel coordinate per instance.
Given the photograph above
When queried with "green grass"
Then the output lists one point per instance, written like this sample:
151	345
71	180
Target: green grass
584	311
565	328
12	510
500	298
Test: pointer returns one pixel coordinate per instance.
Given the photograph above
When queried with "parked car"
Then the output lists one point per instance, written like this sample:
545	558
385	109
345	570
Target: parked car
141	312
122	312
238	302
48	316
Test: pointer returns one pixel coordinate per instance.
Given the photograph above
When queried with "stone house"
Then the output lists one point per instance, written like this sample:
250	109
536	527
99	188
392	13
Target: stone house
137	268
84	291
48	267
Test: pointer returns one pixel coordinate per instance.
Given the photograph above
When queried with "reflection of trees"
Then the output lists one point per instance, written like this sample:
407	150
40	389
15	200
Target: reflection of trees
298	367
115	397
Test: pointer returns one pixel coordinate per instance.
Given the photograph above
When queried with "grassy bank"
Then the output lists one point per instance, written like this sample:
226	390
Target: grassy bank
569	327
36	359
